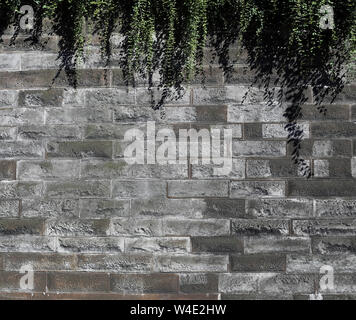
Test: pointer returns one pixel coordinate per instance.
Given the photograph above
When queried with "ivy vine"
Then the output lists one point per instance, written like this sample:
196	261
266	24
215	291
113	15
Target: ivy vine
286	46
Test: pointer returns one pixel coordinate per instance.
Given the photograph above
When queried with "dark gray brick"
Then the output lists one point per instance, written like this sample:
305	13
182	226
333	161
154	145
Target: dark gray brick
258	263
80	149
217	244
321	188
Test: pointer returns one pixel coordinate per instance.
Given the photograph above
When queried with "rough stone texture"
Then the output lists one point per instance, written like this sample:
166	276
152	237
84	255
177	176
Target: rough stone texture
95	227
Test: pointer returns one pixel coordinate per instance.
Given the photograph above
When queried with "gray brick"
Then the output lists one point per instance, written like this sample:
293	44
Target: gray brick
143	97
10	62
289	208
8	99
8	133
273	168
77	282
325	227
258	263
255	113
9	208
278	131
91	245
21	149
191	263
224	208
77	189
158	245
129	114
207	227
353	167
321	188
272	244
204	96
297	263
55	169
344	284
238	282
78	115
75	227
116	262
259	148
17	189
109	97
235	128
80	149
121	169
287	283
43	79
50	208
328	149
348	94
21	116
110	131
198	282
73	97
253	227
324	148
104	208
252	131
43	132
190	208
321	168
135	227
334	245
28	243
334	112
39	60
219	244
227	94
139	189
41	98
257	188
7	170
207	171
39	261
191	189
335	208
13	227
333	130
144	283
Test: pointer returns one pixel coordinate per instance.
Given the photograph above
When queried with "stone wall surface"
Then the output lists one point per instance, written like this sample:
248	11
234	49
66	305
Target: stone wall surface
93	226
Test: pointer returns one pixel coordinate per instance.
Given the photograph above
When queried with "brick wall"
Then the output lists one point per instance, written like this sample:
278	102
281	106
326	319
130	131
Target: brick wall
93	226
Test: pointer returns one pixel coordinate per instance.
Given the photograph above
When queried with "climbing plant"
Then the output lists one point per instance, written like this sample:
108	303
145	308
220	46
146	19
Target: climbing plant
290	44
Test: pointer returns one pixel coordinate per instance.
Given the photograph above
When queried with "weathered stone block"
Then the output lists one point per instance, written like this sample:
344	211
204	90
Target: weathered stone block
139	189
207	227
158	245
104	208
253	227
40	98
80	149
198	188
77	189
257	189
76	227
144	283
50	208
54	169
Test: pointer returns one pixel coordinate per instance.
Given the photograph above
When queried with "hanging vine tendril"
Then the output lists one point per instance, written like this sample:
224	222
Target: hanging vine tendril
286	47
